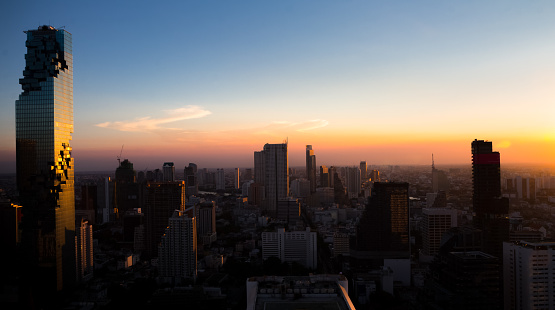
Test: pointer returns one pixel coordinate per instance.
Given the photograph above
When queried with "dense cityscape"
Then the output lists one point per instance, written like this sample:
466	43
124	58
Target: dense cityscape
266	236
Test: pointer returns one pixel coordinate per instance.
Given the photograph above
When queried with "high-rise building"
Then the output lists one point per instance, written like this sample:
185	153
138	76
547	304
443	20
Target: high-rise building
291	246
275	173
363	171
44	164
236	184
490	209
84	250
383	231
178	248
169	172
220	179
126	190
191	179
206	222
353	182
528	273
162	199
435	222
311	168
324	177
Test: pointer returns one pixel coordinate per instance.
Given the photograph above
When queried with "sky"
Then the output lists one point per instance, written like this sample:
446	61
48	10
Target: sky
210	82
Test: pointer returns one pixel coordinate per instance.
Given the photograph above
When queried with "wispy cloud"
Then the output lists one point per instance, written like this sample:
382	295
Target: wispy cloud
151	124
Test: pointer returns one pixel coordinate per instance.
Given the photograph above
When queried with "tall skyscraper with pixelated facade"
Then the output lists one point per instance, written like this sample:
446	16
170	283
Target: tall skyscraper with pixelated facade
44	124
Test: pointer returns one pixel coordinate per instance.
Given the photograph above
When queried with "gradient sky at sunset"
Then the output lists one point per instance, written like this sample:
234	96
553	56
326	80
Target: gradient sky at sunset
210	82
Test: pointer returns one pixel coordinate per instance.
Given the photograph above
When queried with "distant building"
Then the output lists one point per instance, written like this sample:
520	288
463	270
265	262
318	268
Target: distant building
300	188
236	179
375	176
191	180
272	165
435	222
162	199
311	168
340	244
206	222
353	182
528	273
84	251
363	171
383	231
177	256
289	210
440	182
169	172
324	177
220	179
291	246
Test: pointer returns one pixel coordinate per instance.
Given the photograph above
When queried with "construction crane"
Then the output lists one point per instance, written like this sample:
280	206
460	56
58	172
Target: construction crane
119	156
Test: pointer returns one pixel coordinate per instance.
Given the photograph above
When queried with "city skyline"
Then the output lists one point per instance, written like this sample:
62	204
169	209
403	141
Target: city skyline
384	83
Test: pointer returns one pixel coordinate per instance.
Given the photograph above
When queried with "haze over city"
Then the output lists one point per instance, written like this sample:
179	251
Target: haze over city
212	81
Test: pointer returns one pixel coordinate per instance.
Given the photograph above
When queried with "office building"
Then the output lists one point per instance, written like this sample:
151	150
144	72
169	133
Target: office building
162	199
300	188
324	177
353	182
528	273
191	180
126	189
289	210
168	172
375	176
206	222
177	257
291	246
220	179
44	164
383	231
436	222
84	250
272	166
311	168
490	209
363	171
236	182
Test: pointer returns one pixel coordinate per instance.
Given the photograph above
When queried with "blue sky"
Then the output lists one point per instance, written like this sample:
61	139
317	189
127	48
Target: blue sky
228	76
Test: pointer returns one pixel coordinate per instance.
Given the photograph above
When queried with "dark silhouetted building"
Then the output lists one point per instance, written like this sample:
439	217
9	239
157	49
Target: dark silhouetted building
311	168
383	231
490	209
168	172
126	190
162	199
191	180
44	124
272	165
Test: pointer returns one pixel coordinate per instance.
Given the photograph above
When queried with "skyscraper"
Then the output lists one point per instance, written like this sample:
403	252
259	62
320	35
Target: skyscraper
490	209
363	171
383	231
275	172
191	179
311	168
178	248
44	124
169	172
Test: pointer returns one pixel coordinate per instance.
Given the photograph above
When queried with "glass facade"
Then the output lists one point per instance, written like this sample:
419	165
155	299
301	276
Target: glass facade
44	124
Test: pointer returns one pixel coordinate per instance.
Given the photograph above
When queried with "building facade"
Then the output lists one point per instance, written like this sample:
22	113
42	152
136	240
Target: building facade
44	164
528	273
272	165
491	211
291	246
178	248
311	168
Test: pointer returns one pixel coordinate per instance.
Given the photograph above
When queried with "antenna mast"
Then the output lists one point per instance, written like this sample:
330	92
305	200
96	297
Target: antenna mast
119	156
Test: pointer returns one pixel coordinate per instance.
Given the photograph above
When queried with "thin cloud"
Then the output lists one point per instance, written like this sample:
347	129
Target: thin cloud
151	124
